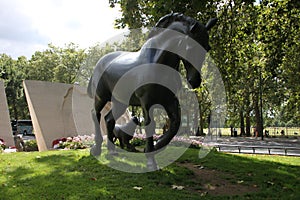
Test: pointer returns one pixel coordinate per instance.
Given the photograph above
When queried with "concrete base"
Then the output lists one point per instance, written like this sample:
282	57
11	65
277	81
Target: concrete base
5	125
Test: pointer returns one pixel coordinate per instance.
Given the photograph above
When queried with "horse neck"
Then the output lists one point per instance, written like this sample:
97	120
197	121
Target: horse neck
159	48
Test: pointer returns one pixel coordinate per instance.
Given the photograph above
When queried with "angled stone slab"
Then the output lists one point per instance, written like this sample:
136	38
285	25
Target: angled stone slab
50	110
5	125
61	110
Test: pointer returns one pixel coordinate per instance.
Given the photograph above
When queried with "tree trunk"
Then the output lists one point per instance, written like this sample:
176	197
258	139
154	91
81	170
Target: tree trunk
242	123
258	116
15	110
248	124
201	123
247	113
196	119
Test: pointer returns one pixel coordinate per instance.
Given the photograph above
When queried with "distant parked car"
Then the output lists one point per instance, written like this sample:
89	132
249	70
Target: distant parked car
23	127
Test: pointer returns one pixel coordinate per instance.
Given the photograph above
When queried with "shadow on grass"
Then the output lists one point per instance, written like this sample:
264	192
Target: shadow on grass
76	175
274	179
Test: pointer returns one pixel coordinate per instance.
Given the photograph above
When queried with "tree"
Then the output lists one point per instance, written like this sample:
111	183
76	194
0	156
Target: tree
143	13
256	47
93	55
278	33
54	64
57	64
13	73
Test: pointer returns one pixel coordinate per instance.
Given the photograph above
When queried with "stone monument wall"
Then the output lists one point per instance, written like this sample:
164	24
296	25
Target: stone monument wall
5	125
61	110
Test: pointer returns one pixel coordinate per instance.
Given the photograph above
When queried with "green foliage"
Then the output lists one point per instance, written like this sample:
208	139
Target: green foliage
138	141
55	64
93	54
249	41
140	13
13	72
2	147
31	145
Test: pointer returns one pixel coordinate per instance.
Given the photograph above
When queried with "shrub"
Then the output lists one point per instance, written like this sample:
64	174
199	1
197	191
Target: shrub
138	141
31	145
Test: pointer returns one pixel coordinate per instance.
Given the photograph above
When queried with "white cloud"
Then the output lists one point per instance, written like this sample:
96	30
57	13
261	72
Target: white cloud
28	26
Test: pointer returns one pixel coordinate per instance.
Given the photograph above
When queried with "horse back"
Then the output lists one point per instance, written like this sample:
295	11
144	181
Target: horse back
100	68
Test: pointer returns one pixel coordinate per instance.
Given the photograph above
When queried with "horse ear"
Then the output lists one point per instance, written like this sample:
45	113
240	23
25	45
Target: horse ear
193	27
164	20
211	23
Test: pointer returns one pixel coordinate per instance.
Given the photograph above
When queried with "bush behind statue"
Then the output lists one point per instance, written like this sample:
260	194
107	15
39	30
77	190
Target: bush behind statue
31	145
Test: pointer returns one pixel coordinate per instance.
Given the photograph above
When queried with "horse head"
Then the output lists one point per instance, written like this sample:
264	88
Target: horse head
193	30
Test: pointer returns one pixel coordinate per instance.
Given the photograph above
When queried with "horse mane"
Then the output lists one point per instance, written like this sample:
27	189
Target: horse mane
165	21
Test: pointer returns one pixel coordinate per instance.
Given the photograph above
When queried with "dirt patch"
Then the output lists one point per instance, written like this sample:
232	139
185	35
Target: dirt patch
213	182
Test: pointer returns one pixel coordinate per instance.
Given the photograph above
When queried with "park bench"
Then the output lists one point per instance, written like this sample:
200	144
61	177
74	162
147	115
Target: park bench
254	147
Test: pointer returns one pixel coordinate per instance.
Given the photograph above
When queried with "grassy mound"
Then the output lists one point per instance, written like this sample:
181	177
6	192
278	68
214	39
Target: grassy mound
74	174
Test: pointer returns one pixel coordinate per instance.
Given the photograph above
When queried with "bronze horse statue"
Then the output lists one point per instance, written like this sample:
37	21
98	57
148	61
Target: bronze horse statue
172	31
124	133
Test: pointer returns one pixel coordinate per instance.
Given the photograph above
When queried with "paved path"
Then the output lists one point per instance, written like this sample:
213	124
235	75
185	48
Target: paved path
280	146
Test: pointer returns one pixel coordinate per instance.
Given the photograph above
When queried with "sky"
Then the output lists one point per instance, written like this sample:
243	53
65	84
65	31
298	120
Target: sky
27	26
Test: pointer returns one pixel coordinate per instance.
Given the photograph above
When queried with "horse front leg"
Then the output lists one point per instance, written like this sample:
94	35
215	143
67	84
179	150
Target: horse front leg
96	149
149	149
96	116
173	112
110	119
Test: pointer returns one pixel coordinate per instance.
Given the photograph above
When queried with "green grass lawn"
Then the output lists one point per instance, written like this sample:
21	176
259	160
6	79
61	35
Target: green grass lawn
76	175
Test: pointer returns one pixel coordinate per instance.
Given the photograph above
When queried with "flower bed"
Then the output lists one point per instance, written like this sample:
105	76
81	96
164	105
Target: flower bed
76	142
2	145
86	141
140	140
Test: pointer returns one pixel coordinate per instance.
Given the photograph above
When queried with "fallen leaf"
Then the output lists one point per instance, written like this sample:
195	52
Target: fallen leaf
210	187
137	188
203	194
93	178
177	187
270	182
199	166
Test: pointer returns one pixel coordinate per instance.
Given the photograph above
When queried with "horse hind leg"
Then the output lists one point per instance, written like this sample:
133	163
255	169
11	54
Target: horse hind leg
150	131
116	111
96	116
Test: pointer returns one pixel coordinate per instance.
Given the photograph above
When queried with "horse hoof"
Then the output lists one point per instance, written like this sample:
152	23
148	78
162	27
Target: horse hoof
113	153
152	167
95	151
